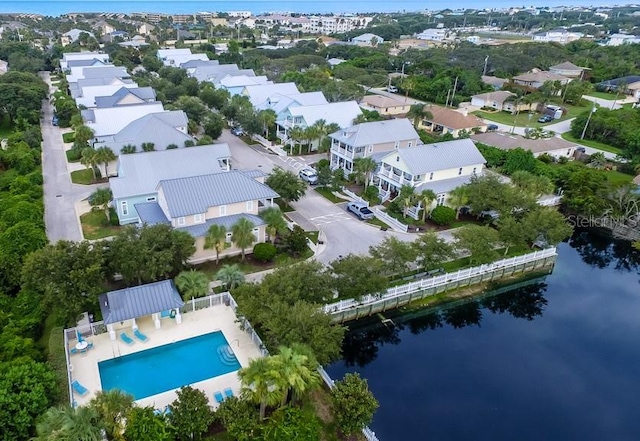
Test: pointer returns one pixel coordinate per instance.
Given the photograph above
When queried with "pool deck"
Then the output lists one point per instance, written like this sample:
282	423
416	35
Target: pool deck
204	321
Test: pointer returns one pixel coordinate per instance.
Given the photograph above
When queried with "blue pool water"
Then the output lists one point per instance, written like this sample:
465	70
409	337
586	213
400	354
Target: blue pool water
170	366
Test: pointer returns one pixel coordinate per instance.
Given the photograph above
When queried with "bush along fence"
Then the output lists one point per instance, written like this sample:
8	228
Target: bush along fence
352	309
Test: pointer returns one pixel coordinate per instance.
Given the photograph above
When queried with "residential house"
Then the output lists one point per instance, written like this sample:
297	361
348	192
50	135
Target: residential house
214	72
568	69
554	146
620	39
385	105
451	121
558	35
337	24
86	63
495	100
432	35
367	39
165	130
138	174
84	86
342	113
630	85
193	204
84	72
137	42
104	27
437	167
114	95
109	121
177	57
145	29
494	82
370	139
235	84
281	103
260	93
536	78
82	56
73	35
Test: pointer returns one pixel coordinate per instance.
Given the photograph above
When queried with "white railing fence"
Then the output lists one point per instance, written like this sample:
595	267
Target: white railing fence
392	221
436	281
354	196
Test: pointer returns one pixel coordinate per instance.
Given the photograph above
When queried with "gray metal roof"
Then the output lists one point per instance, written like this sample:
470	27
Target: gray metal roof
227	222
150	213
254	173
140	173
440	156
378	132
78	63
105	72
138	301
143	93
76	88
193	195
445	185
195	63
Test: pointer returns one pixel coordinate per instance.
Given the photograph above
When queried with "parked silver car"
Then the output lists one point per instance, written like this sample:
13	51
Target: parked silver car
361	210
309	175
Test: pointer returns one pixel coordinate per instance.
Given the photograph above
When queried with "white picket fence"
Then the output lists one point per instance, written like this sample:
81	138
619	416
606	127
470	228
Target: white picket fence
391	221
432	282
354	196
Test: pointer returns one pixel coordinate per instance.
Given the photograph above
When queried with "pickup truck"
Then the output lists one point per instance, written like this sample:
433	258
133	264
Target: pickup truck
360	209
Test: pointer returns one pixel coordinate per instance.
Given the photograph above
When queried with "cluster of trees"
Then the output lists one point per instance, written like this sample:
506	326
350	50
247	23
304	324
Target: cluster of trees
619	128
22	94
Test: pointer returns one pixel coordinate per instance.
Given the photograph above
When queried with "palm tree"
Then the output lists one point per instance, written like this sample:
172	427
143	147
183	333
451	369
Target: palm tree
268	118
275	222
459	197
67	423
88	159
365	166
296	372
320	127
296	134
426	198
113	408
259	383
230	276
216	239
242	234
192	284
104	155
407	196
76	121
309	134
417	113
82	135
101	198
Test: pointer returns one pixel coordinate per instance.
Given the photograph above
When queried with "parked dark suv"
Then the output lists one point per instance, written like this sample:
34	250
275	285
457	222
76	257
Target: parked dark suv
545	119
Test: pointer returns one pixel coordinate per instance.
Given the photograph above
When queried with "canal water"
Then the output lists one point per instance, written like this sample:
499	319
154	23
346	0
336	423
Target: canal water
557	359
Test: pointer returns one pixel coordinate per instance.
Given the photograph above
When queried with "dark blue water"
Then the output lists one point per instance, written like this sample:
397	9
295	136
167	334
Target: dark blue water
58	7
556	360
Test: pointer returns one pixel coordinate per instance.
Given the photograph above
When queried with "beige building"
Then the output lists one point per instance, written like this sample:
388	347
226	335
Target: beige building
385	105
451	121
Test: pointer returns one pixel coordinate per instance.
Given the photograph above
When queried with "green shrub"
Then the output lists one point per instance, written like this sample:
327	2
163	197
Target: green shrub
442	215
74	155
113	217
371	194
264	252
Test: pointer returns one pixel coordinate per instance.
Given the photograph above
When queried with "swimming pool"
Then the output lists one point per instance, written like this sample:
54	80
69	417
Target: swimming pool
169	367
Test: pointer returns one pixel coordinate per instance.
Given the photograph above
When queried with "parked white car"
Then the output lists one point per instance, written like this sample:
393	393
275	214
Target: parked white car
309	175
361	210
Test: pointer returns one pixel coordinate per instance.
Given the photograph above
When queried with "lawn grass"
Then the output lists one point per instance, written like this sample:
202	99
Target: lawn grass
617	178
377	222
284	207
58	361
328	194
605	95
72	156
6	128
313	236
84	177
593	144
68	137
95	225
523	119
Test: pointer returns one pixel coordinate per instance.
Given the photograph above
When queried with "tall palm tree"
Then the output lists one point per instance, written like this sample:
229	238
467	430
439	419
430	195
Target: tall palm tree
231	276
69	424
88	159
216	239
82	135
320	127
268	118
104	155
407	197
113	408
76	121
417	113
309	134
101	198
275	222
296	134
259	384
426	198
459	197
192	284
365	166
242	234
295	373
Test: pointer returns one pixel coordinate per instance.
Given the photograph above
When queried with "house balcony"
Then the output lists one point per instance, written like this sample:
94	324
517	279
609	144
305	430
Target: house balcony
396	178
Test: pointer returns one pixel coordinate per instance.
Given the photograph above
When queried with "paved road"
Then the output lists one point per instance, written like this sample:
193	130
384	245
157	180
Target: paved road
60	195
607	104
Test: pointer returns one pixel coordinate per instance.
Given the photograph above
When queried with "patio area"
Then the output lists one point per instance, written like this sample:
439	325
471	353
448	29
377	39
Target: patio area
198	317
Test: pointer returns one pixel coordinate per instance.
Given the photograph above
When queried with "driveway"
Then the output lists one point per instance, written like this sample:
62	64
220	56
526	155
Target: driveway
607	104
60	195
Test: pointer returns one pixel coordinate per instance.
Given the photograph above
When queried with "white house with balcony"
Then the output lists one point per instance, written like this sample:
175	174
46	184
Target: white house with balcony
437	167
371	139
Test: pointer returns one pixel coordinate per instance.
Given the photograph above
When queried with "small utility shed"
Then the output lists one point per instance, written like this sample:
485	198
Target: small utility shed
123	305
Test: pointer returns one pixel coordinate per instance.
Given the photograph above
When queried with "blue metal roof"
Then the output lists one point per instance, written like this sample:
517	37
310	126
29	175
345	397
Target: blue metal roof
150	213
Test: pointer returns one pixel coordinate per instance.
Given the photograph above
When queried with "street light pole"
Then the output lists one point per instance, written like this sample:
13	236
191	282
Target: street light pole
584	130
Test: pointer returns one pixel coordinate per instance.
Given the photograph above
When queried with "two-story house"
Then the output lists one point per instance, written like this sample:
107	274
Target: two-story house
138	174
453	122
371	139
437	167
194	204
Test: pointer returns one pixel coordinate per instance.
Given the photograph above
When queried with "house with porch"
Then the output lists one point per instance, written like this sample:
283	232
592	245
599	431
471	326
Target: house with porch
281	103
439	167
453	122
385	105
536	78
138	174
341	113
371	139
122	307
193	204
258	94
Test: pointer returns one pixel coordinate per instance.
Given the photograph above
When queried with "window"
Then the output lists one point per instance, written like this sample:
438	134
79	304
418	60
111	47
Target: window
474	170
228	237
371	148
459	171
249	205
440	199
181	221
431	176
197	218
151	199
222	210
568	152
410	144
256	234
397	146
125	208
417	178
